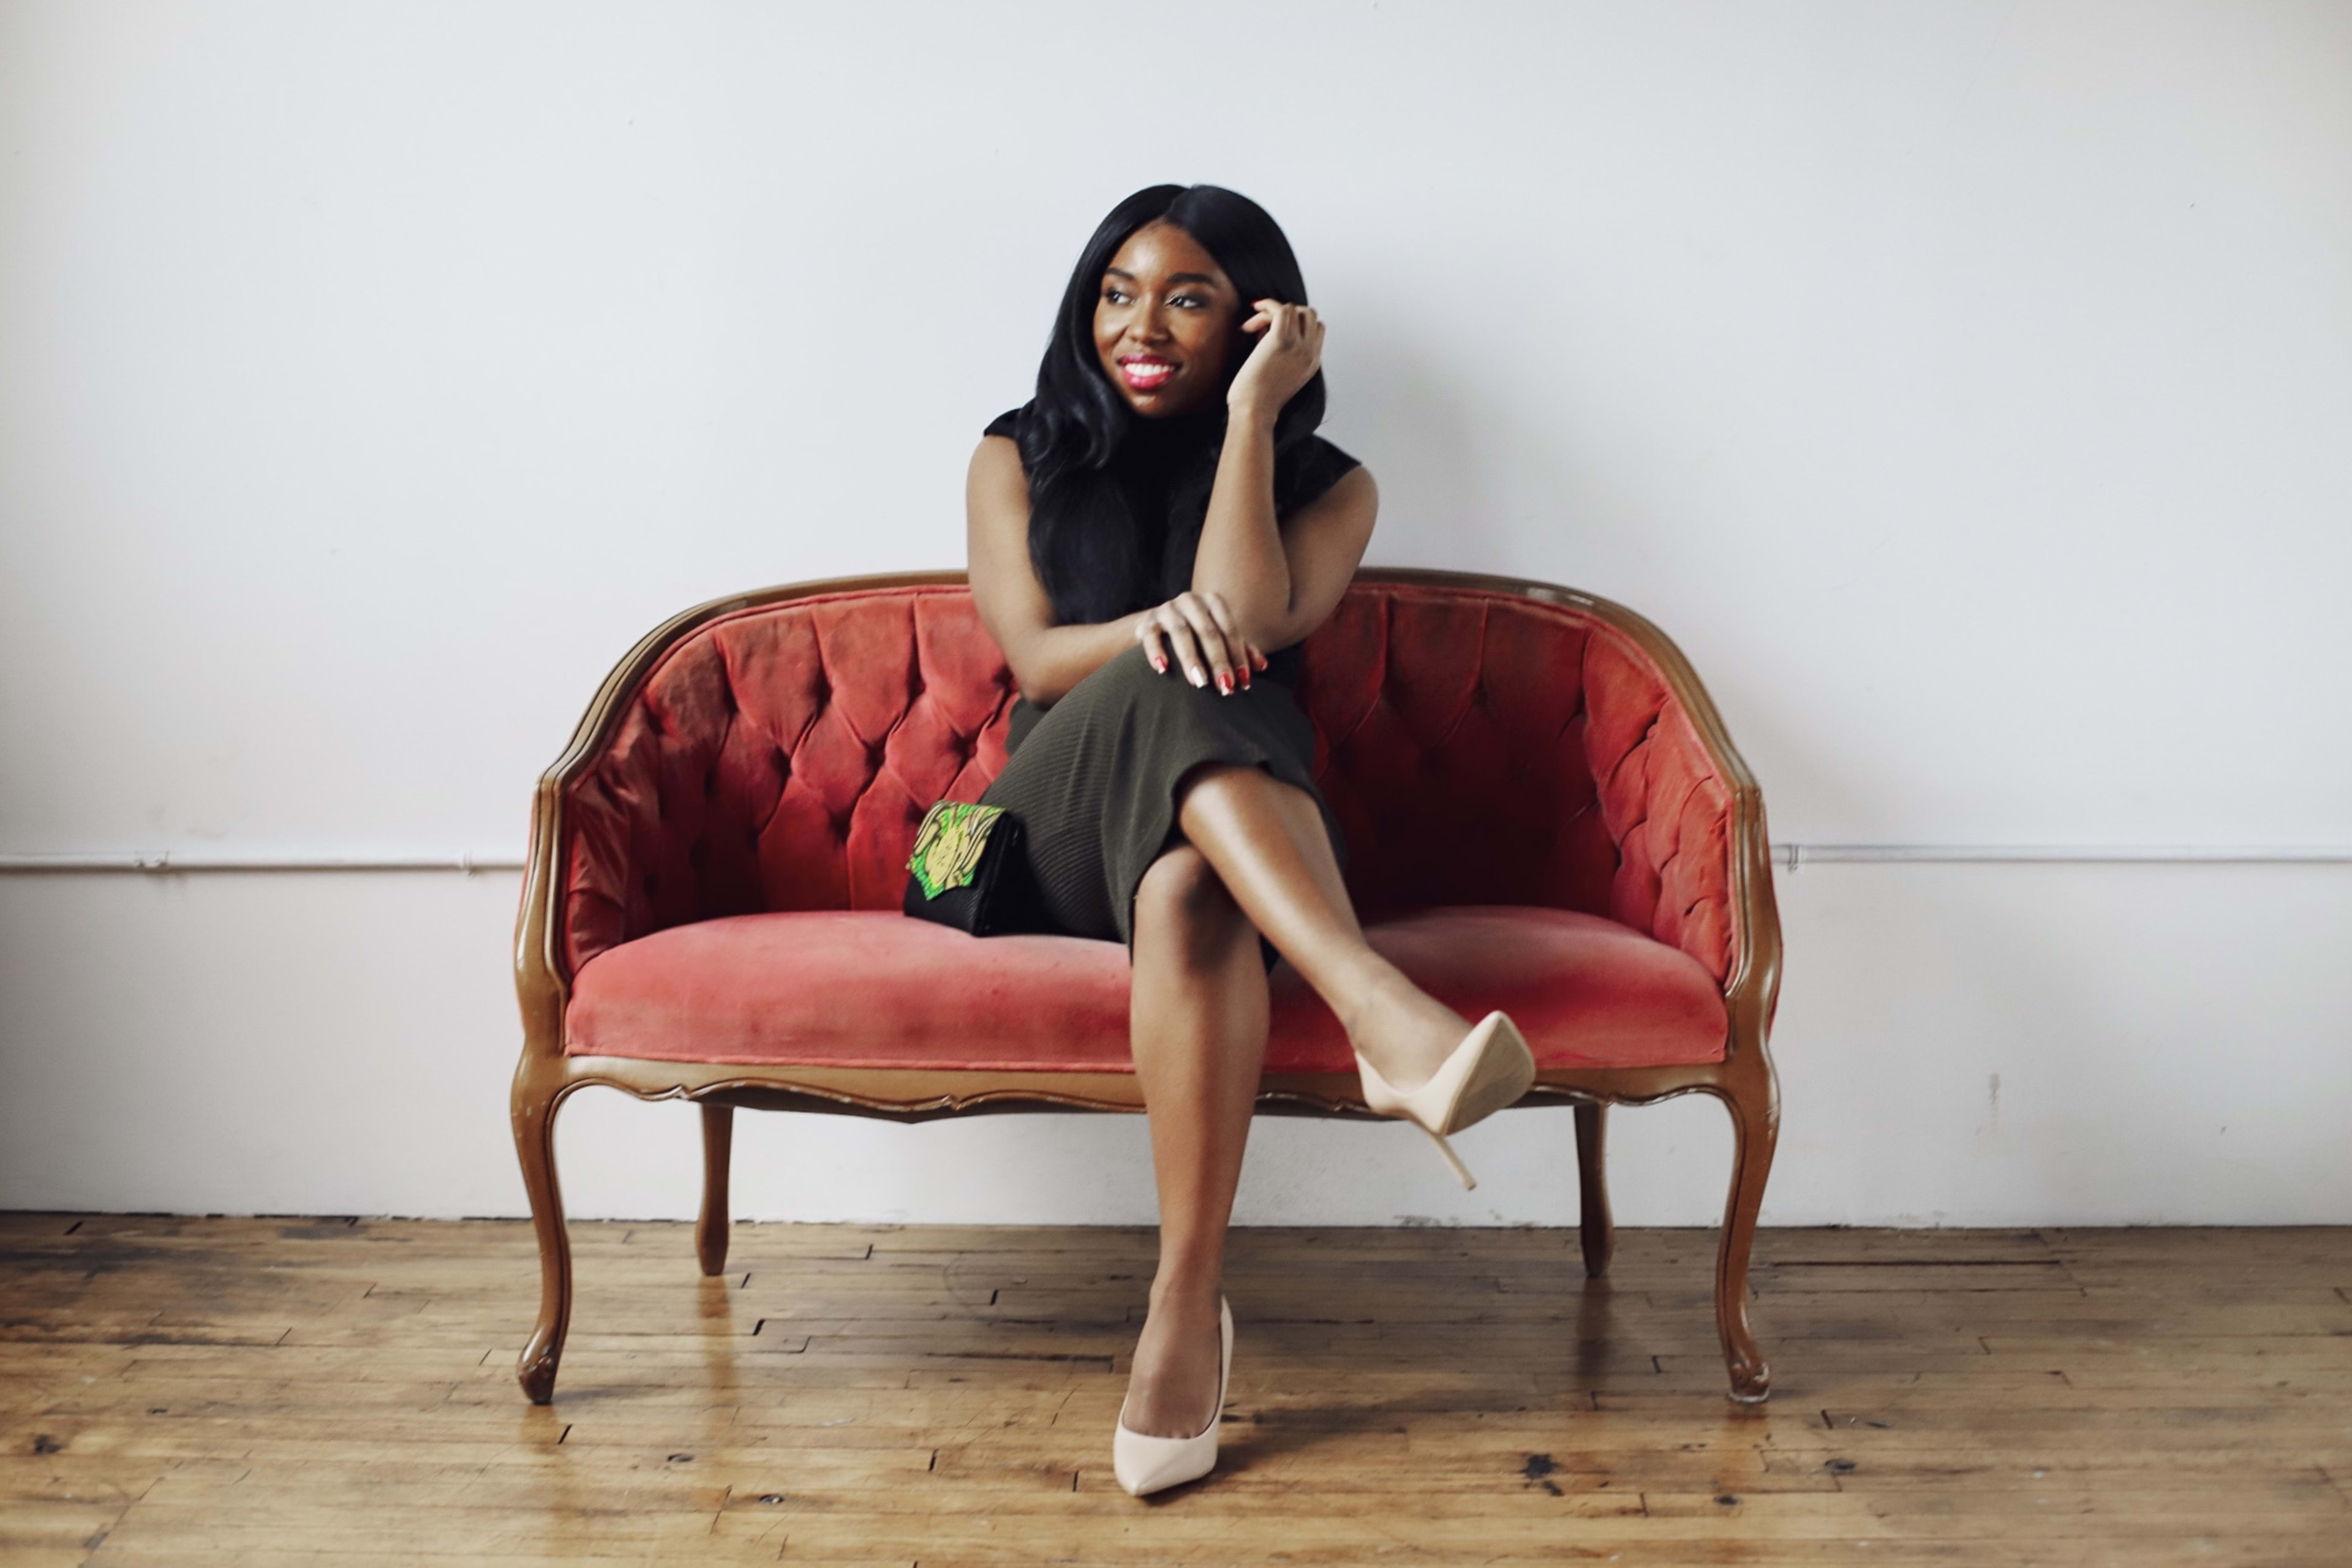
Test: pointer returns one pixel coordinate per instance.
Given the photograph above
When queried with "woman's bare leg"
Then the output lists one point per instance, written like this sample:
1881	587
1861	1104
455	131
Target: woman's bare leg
1198	1019
1266	841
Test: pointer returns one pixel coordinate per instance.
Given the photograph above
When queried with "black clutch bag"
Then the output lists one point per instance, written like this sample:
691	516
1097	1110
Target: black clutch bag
969	870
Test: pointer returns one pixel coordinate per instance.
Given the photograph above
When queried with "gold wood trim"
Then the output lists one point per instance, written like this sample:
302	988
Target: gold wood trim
927	1094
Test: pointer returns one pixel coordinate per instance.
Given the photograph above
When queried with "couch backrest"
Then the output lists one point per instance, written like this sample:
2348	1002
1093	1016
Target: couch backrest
1478	747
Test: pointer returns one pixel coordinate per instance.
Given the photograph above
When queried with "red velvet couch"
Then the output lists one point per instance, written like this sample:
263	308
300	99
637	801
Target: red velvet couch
1543	814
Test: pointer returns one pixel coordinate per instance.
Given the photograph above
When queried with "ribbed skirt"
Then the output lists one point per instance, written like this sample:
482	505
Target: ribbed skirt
1094	779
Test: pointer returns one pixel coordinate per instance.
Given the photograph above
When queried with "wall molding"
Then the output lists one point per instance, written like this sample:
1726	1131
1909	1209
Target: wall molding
179	862
1788	856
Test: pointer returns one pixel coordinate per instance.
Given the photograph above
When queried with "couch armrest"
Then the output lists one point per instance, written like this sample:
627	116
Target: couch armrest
1685	813
577	869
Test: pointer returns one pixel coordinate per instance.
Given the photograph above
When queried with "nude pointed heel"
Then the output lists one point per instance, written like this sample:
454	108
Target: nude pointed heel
1488	1070
1146	1464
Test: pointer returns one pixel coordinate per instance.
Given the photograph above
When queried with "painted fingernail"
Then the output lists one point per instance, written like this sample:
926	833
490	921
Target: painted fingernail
1224	683
1195	676
1159	664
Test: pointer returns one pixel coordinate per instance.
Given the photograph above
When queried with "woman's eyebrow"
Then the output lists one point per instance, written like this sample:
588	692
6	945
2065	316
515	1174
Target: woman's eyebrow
1173	276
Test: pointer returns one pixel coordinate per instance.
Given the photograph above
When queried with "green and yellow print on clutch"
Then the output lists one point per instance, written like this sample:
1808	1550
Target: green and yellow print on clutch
949	845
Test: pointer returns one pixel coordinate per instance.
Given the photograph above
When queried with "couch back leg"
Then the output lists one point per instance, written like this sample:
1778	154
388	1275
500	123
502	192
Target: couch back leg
1753	1100
1595	1230
536	1096
710	1229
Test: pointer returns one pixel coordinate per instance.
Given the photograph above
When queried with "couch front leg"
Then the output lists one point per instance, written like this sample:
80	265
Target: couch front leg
1749	1094
538	1092
711	1228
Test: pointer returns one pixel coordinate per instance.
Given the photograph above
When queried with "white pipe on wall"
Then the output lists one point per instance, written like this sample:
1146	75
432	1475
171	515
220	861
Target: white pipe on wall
1793	855
158	862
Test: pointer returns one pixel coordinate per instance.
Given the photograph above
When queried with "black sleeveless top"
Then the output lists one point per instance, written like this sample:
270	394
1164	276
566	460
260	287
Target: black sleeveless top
1150	468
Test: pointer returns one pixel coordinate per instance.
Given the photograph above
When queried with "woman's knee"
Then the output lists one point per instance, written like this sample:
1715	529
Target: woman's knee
1220	788
1183	900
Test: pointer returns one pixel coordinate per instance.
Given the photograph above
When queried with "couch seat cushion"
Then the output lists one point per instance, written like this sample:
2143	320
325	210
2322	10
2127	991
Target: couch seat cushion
872	989
852	989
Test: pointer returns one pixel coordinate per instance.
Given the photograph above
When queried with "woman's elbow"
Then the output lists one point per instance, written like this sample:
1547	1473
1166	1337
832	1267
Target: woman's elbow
1037	680
1041	692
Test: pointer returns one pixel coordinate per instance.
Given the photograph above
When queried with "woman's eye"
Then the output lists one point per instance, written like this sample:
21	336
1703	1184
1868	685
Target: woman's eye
1115	296
1189	301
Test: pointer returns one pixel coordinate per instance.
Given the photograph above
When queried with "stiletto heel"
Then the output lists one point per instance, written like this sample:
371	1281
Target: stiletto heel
1144	1465
1445	1147
1488	1070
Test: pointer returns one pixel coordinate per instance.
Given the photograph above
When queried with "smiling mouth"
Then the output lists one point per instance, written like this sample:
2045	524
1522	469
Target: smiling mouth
1145	373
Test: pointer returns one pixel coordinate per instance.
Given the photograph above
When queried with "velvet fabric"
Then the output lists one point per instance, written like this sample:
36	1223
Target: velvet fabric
1478	748
853	988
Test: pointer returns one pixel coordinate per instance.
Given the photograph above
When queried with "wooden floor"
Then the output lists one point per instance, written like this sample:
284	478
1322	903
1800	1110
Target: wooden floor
265	1393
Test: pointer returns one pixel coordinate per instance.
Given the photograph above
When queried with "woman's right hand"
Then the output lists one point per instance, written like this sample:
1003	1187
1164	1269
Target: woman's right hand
1195	632
1288	352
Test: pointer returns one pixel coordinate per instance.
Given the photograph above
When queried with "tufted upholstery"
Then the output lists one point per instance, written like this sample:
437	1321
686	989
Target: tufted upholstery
1478	748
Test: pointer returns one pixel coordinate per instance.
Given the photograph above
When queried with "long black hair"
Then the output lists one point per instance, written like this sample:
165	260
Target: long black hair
1082	540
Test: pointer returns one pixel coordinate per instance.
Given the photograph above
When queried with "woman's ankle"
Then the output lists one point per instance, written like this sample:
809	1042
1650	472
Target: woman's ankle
1187	1290
1402	1030
1174	1378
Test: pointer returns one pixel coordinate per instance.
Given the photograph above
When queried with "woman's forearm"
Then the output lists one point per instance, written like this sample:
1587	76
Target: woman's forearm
1240	555
1050	660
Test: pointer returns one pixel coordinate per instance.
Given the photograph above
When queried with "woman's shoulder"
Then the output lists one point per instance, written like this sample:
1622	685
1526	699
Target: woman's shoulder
999	462
1324	456
1309	470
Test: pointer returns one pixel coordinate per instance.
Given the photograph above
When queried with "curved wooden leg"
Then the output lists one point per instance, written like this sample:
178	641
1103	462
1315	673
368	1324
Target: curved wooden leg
1754	1103
710	1229
1595	1230
536	1097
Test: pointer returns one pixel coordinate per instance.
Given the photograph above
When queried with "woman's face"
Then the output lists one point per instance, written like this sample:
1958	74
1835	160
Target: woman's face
1165	322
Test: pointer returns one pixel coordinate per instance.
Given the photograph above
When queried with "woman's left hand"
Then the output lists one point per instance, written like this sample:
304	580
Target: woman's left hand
1289	351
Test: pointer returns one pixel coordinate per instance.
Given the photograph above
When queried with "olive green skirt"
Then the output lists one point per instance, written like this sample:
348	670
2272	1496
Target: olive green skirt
1094	779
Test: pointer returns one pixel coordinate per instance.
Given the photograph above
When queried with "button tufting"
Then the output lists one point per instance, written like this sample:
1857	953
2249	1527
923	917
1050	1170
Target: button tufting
1446	822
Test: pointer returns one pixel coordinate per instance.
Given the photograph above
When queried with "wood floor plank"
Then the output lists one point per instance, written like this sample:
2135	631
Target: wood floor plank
272	1390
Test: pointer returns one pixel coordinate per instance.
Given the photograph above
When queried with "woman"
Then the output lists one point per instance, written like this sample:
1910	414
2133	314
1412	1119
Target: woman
1151	537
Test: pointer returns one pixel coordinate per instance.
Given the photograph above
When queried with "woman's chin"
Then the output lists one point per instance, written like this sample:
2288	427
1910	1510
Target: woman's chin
1159	403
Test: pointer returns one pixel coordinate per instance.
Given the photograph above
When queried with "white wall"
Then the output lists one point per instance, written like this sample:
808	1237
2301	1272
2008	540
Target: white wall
1968	388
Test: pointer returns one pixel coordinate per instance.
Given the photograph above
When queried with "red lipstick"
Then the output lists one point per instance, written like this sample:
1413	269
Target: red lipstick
1146	373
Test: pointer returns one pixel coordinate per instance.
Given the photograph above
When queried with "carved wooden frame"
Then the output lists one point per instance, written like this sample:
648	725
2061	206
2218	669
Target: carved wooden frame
1743	1080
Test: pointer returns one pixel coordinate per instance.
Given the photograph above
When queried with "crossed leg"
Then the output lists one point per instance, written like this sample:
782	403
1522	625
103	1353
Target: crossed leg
1255	859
